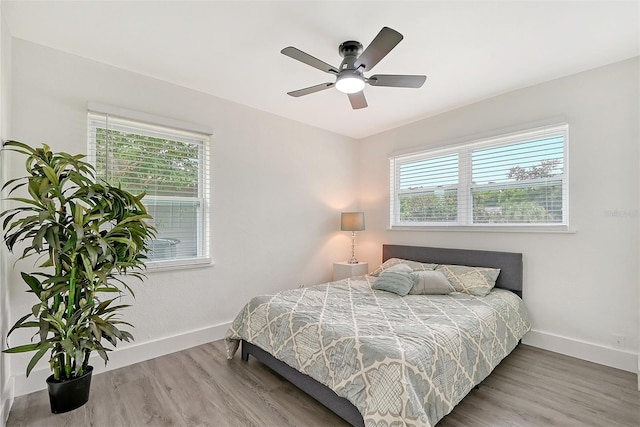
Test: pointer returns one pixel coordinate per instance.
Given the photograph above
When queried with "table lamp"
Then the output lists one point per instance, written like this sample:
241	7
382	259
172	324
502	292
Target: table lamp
352	221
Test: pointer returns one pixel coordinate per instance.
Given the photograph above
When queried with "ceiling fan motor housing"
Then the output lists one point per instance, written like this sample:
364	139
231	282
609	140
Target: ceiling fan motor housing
349	50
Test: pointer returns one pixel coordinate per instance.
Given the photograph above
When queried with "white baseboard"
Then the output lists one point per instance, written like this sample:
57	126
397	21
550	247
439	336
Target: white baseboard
20	384
7	394
125	356
608	356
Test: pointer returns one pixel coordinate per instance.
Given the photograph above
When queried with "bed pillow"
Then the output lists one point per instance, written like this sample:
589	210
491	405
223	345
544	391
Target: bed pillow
400	268
415	266
397	282
431	283
471	280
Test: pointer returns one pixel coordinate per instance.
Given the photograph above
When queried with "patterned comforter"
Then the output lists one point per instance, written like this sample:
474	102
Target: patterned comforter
400	360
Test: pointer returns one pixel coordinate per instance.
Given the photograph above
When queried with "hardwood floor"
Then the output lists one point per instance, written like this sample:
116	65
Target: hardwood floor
199	387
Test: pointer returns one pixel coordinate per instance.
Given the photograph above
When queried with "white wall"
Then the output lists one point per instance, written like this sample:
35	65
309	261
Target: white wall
582	287
6	380
277	189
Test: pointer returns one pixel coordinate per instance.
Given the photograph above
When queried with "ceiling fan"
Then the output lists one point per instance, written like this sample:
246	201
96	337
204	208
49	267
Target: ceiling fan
350	77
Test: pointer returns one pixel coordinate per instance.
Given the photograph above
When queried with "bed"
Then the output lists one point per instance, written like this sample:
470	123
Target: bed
377	358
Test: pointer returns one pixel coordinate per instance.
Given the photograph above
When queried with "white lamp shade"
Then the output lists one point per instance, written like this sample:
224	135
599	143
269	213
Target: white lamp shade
352	221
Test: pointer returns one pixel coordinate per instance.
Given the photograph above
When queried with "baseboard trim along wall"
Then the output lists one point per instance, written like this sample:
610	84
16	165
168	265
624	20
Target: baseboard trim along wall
608	356
126	356
136	353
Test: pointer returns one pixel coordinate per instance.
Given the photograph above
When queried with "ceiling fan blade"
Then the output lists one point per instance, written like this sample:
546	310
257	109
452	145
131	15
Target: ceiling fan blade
304	57
381	45
358	100
396	80
312	89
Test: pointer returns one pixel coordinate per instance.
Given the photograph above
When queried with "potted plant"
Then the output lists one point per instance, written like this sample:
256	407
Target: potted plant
88	235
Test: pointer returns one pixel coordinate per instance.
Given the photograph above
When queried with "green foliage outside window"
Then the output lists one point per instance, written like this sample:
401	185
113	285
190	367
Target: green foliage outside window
432	206
160	167
532	204
522	200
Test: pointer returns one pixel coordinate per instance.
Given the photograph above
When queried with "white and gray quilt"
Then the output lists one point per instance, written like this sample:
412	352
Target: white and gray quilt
400	360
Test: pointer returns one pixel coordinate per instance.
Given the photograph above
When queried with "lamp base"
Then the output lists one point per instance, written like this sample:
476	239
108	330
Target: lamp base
353	259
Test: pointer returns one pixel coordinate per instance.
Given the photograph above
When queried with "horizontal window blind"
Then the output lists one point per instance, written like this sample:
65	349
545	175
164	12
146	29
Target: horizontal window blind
170	166
516	179
428	188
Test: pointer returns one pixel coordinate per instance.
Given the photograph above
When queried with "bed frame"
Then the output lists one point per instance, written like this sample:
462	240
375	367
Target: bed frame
510	265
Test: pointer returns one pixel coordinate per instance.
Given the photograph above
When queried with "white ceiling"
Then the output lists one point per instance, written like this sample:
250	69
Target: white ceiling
469	50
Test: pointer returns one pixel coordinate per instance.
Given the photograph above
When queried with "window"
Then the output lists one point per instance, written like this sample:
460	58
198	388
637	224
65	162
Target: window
170	165
518	179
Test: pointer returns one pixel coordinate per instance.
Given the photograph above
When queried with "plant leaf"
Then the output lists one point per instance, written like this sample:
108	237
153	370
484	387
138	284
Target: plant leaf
22	348
67	345
33	283
103	354
19	323
36	309
36	357
95	331
43	327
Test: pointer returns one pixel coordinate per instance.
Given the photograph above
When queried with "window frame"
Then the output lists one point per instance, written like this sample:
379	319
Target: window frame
465	185
156	124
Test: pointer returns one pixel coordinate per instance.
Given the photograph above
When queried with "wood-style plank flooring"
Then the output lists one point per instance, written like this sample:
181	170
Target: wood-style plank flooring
199	387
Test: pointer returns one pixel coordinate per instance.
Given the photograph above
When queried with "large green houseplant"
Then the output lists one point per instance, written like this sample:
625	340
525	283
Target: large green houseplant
86	235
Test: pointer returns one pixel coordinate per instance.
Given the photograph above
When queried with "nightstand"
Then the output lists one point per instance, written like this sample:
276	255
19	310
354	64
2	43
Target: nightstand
343	270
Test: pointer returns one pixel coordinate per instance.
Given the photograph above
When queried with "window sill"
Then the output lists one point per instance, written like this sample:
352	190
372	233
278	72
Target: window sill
561	229
157	266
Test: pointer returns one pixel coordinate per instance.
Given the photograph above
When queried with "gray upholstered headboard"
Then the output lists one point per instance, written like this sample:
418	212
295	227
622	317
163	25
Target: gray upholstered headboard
509	263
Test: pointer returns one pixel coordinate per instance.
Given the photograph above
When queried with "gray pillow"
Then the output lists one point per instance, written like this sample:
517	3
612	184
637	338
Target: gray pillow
400	268
397	282
471	280
415	265
431	283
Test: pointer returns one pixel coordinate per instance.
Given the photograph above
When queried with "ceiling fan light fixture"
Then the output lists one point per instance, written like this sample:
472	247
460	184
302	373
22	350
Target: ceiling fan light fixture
350	83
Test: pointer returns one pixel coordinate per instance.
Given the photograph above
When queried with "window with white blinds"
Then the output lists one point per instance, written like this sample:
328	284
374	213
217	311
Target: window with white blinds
171	166
519	179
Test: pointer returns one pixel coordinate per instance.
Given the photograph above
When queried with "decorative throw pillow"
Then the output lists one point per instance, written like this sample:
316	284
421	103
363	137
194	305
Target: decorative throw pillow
431	283
400	268
397	282
415	266
471	280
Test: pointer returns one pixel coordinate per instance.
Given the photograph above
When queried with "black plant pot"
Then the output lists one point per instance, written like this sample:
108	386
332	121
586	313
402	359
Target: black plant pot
67	395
